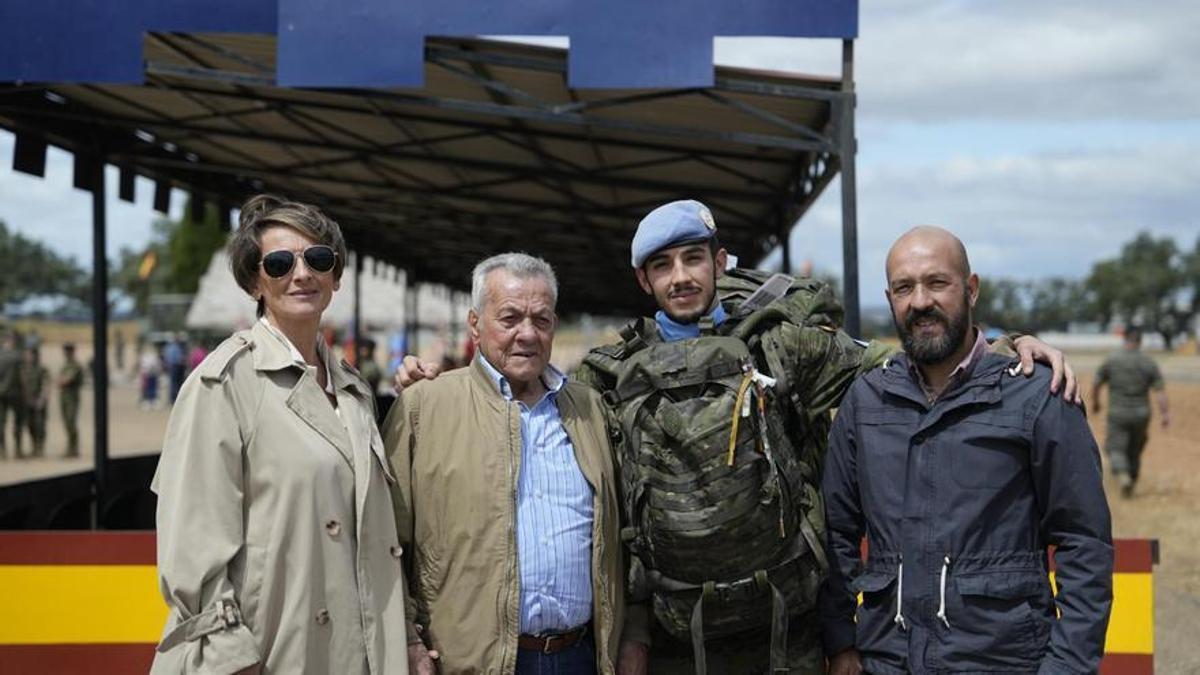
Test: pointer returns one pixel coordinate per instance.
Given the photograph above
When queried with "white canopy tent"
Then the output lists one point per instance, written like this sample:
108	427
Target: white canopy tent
221	306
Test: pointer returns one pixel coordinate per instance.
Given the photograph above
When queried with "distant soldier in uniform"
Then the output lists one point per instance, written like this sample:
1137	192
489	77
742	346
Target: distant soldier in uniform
70	381
1130	375
367	367
35	391
10	391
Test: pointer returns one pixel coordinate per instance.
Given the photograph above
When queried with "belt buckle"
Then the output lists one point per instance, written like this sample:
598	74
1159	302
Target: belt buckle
549	640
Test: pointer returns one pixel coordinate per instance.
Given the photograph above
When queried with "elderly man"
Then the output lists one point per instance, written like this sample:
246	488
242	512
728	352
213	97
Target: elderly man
724	400
961	474
506	497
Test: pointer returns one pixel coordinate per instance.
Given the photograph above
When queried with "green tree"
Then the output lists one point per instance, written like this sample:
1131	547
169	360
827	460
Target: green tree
1191	279
1143	284
176	257
1055	302
189	247
30	268
1002	305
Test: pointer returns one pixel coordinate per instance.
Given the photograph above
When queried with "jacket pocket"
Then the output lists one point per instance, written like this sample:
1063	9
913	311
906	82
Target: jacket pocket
990	451
884	436
995	624
877	613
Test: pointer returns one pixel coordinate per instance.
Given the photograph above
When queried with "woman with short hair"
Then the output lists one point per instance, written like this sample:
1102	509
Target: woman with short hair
277	548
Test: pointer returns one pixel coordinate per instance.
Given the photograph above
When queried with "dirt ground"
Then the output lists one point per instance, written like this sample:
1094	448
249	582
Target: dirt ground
1166	506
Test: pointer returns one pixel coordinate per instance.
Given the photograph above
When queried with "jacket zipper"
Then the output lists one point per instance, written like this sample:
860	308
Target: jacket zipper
512	544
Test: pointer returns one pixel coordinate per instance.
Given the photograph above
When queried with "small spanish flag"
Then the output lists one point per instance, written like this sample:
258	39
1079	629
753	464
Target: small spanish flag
149	262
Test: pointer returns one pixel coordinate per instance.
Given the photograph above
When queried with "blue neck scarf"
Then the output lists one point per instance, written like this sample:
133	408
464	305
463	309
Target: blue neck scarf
671	330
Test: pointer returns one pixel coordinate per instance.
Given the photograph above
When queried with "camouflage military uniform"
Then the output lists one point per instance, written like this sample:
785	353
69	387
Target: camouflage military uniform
10	397
732	543
70	382
1130	375
35	385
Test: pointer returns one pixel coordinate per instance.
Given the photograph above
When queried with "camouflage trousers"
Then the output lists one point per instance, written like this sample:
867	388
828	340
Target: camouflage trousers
744	654
16	408
1125	440
69	406
35	418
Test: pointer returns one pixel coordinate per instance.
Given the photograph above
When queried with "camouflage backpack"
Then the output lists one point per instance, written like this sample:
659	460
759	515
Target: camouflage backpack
720	464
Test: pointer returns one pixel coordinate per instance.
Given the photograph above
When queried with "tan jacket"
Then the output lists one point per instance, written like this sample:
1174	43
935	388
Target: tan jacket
276	538
455	448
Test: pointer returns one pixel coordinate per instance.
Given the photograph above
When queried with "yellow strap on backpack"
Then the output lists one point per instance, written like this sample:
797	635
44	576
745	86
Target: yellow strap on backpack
737	414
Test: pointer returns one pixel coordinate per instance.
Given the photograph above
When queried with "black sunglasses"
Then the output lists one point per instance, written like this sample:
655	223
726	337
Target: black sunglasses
319	258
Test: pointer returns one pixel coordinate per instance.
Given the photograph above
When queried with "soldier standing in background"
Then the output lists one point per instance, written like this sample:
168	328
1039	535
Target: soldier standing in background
366	364
119	350
10	391
1130	375
35	390
70	381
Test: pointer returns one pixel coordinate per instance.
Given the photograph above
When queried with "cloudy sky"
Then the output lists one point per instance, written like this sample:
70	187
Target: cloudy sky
1044	134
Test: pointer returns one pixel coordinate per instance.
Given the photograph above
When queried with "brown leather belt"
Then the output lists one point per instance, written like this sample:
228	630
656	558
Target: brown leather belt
552	643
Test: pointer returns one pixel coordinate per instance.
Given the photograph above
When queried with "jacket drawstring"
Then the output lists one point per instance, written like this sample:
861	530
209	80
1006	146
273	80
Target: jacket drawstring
941	613
899	620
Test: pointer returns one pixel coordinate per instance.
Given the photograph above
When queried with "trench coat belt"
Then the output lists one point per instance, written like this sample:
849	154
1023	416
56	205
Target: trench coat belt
224	614
552	643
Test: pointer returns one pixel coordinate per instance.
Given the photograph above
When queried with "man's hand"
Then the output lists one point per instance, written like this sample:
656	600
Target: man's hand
1031	349
633	658
846	662
421	661
413	370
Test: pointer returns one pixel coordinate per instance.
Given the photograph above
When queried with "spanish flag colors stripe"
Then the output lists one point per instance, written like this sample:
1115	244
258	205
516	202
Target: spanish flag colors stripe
89	602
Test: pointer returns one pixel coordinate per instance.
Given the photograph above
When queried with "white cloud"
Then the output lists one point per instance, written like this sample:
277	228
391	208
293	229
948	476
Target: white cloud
1021	216
1011	60
50	210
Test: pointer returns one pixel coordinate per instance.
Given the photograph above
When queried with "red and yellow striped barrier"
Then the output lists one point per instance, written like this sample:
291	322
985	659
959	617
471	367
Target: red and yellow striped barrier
1129	644
78	602
88	602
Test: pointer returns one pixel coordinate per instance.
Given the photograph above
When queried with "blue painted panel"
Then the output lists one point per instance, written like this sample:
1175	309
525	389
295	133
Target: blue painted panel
101	40
615	43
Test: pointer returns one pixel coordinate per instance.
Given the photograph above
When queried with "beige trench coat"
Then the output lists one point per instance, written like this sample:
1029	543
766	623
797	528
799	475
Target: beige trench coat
276	536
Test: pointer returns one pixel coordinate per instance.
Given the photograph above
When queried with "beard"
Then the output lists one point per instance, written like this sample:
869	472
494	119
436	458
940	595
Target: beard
685	319
931	350
694	315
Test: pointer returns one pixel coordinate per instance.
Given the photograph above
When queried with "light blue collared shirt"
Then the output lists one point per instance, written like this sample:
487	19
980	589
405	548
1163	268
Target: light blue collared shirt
554	516
672	331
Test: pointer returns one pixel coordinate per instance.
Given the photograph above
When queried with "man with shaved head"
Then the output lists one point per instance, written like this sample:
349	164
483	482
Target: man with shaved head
960	475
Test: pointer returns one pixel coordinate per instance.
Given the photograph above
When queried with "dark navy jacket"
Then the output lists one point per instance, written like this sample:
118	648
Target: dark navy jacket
958	502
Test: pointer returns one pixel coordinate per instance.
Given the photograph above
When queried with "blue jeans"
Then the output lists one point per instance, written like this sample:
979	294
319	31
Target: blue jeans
578	659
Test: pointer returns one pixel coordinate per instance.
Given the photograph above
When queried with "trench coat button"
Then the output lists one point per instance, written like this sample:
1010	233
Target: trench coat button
396	551
323	617
333	527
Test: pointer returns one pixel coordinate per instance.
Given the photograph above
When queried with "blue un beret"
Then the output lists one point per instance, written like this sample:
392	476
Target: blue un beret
681	222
